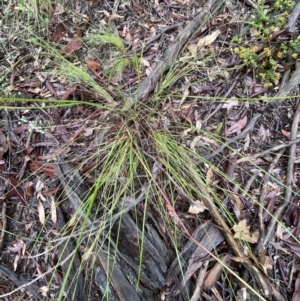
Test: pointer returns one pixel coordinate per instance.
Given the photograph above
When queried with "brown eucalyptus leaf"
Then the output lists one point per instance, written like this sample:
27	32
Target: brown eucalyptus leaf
74	44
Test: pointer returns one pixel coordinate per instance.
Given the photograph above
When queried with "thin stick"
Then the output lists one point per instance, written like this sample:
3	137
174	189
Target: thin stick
4	224
270	150
290	172
261	207
149	83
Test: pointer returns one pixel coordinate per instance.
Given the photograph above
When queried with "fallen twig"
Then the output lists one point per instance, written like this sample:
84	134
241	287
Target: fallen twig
196	295
148	84
290	85
4	223
263	281
290	172
267	151
293	18
31	287
261	203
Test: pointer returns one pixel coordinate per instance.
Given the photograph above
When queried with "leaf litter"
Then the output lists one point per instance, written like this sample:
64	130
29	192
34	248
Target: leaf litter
198	102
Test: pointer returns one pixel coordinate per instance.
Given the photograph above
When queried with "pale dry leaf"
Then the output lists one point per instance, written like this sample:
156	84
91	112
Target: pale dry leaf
28	226
247	142
145	62
41	211
39	195
208	141
198	125
186	92
88	132
240	259
230	103
148	71
266	262
197	207
87	254
194	143
238	126
242	294
39	186
182	2
15	264
122	32
242	231
192	49
238	207
279	232
208	39
44	290
186	132
128	38
156	169
263	133
209	177
23	251
53	210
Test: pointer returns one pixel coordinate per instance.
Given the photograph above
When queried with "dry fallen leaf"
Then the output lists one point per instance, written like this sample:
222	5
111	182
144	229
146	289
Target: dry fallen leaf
39	186
156	169
209	177
44	290
208	39
237	127
15	264
266	262
242	231
41	211
192	48
18	247
53	210
145	62
230	103
58	33
279	231
197	207
214	273
242	294
73	45
288	134
240	259
95	67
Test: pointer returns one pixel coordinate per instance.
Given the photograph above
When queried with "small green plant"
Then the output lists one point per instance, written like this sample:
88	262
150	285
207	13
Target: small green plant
266	53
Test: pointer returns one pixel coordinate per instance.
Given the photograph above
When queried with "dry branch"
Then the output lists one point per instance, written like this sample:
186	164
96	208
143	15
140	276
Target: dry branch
293	18
289	177
171	54
267	289
290	85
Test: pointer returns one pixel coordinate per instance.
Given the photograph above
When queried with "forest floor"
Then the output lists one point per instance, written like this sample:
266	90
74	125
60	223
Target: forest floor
149	150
